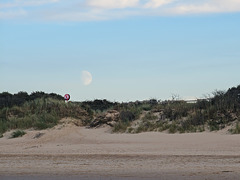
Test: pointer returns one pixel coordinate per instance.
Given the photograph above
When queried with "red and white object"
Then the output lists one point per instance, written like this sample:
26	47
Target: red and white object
66	97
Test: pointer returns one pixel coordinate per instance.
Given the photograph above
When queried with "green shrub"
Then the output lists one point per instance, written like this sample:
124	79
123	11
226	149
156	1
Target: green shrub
163	127
3	113
181	129
16	111
140	128
213	125
3	126
149	116
173	128
150	126
87	122
130	130
146	107
146	126
201	128
41	125
17	133
235	130
127	116
121	126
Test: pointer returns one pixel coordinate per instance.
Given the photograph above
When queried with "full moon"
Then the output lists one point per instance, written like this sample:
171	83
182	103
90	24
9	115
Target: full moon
86	78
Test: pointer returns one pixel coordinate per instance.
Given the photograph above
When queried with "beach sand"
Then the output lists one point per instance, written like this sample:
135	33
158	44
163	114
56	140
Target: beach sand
71	152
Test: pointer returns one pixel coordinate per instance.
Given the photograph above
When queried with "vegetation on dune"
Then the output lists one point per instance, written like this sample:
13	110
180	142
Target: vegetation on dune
10	100
98	105
40	111
215	113
236	129
18	133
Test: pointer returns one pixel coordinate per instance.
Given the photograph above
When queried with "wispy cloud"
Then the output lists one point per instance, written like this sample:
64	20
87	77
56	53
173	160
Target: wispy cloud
157	3
113	4
89	10
210	6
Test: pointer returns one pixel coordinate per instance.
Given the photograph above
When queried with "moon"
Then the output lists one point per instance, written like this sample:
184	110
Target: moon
86	78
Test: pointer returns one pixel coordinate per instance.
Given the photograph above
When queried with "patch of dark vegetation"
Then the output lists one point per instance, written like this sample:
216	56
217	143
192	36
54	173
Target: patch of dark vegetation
150	116
121	126
127	116
17	133
236	129
98	105
10	100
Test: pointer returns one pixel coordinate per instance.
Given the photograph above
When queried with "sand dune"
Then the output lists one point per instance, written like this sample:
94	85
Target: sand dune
70	152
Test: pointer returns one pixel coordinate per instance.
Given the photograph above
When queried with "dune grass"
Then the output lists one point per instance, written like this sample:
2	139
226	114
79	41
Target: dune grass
41	111
17	133
236	129
38	114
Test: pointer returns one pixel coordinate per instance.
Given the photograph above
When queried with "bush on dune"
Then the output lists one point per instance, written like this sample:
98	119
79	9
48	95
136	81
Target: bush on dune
17	133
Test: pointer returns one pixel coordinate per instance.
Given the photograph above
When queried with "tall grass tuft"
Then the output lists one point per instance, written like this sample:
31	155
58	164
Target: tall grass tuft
17	133
235	130
121	126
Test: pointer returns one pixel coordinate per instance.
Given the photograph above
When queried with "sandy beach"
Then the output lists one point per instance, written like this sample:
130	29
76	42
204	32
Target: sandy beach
71	152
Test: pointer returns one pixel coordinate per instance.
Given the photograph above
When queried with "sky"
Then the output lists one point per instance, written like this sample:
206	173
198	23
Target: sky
133	49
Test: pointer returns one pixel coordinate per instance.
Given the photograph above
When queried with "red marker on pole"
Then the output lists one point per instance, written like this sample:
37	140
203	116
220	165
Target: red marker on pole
66	97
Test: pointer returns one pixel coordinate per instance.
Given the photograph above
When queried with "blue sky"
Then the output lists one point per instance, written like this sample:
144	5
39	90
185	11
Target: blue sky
134	49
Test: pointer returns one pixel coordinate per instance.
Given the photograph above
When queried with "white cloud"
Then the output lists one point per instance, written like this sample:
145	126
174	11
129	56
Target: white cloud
193	9
210	6
99	10
93	15
157	3
112	4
